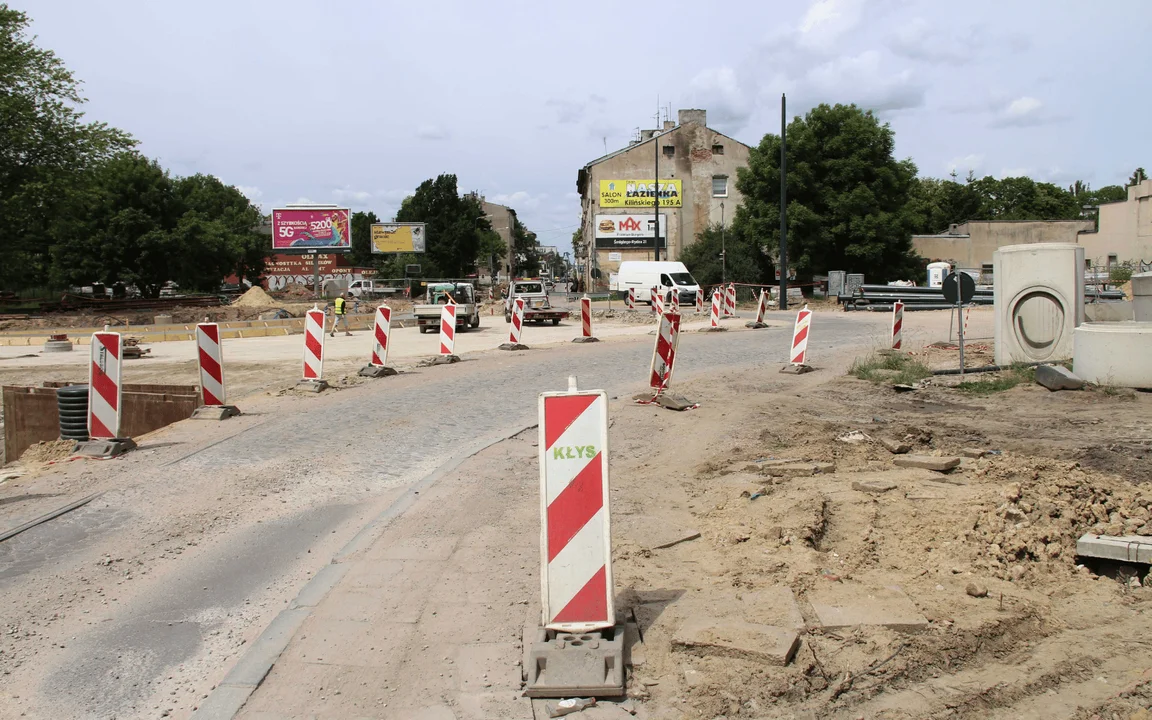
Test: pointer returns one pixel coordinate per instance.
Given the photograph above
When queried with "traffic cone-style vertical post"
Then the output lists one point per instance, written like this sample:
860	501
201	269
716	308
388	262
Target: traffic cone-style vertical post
448	329
657	302
897	324
631	298
516	328
730	300
104	388
700	301
210	358
381	341
761	307
313	380
585	321
798	357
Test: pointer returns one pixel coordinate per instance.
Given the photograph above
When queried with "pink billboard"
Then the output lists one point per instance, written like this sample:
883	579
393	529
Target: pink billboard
304	229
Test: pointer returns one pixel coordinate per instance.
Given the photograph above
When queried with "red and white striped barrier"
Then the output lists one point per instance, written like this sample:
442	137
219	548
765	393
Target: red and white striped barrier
104	389
714	318
730	300
700	301
799	354
762	306
576	539
657	302
314	344
897	324
675	305
586	316
380	331
631	298
448	328
664	354
211	361
517	326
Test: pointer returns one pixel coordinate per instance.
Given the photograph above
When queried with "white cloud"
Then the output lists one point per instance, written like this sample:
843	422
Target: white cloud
962	165
303	201
251	192
431	132
862	79
827	20
346	194
917	40
520	200
1024	111
719	91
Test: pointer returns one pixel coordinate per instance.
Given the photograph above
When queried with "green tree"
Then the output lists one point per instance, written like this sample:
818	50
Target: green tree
935	204
455	226
744	262
362	238
1022	198
526	260
245	250
1137	177
847	195
46	148
492	247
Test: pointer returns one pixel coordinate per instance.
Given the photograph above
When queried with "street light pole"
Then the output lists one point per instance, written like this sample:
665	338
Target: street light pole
723	249
783	205
656	194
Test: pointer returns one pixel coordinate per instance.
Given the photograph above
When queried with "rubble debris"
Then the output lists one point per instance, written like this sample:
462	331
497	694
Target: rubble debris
569	706
928	462
873	486
976	590
974	453
854	437
801	469
895	446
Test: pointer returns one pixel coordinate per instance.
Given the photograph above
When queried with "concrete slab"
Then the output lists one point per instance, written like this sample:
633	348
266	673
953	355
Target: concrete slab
896	447
974	453
846	605
928	462
725	637
1058	377
1124	548
875	487
775	605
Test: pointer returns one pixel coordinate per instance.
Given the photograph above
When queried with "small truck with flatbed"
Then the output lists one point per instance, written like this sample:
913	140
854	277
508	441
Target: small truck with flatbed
440	294
537	307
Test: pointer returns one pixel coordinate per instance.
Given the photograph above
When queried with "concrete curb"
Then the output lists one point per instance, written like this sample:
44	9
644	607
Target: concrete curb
233	692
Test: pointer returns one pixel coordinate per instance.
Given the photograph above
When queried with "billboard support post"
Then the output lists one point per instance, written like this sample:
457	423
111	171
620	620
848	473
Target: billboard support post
316	276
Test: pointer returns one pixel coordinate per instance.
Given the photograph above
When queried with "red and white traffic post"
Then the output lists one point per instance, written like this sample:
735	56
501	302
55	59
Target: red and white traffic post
657	302
448	329
381	330
631	298
897	324
104	398
586	322
210	357
730	300
664	353
675	304
313	379
761	308
798	357
576	587
714	316
700	301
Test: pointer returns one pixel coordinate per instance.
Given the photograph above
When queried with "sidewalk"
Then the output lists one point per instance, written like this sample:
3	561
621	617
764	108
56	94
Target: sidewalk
426	620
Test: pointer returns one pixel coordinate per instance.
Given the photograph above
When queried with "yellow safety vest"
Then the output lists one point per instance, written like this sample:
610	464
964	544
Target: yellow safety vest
340	305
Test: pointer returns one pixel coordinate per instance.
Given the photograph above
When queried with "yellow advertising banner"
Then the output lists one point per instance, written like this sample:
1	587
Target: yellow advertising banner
398	238
638	193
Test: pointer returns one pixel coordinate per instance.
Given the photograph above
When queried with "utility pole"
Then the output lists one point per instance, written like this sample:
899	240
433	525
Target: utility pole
783	265
656	195
723	248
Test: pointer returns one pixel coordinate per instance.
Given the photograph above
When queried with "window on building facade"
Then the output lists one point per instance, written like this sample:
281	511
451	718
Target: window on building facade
669	150
717	149
719	186
1112	261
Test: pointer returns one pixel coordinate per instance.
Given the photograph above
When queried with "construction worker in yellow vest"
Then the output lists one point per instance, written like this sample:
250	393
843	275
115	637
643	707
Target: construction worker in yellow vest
340	314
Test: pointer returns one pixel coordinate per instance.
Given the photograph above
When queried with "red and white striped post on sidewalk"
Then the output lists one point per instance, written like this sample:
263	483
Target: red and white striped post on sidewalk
381	329
674	306
104	389
104	398
516	329
714	317
798	357
664	354
210	355
761	307
448	329
577	592
586	322
700	301
631	298
313	379
730	300
897	324
657	302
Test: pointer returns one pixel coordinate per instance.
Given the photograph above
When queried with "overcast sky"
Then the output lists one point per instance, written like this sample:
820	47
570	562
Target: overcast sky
358	101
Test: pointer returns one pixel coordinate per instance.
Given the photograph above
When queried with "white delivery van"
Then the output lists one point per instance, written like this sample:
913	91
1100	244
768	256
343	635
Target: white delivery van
670	277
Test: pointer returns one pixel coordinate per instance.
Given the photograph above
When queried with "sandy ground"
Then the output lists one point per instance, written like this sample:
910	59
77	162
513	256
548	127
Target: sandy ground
1049	639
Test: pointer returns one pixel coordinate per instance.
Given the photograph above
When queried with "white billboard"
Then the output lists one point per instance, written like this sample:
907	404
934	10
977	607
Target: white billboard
629	226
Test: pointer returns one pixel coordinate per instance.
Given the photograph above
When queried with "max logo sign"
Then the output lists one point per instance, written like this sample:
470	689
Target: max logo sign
629	224
574	452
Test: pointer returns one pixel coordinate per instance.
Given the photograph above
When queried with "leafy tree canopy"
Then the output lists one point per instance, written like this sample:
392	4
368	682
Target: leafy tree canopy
455	225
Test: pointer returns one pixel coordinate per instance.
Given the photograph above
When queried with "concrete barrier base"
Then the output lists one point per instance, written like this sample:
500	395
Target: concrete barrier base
312	385
445	360
215	412
377	371
755	325
563	665
583	339
796	369
513	346
105	448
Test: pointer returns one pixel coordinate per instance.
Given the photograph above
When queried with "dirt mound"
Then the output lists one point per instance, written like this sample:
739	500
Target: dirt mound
47	451
295	291
255	297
